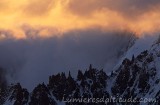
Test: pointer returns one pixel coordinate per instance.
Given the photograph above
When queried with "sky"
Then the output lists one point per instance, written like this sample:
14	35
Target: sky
39	38
61	16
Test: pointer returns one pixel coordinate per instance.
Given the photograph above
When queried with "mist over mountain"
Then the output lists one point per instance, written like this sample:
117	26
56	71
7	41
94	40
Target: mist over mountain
30	61
135	81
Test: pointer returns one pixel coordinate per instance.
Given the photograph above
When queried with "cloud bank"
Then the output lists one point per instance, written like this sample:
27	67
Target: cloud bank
140	16
30	61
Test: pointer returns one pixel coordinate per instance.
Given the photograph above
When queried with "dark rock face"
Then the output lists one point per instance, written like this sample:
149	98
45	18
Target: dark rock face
137	78
41	96
19	94
3	86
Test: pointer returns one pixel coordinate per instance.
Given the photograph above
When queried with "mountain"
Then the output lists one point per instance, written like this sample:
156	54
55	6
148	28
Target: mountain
3	86
135	81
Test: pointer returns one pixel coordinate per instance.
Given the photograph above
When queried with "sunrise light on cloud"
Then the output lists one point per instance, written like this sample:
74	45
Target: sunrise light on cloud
52	16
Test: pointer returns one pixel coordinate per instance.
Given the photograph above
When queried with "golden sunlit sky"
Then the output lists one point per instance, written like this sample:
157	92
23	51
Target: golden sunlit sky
60	16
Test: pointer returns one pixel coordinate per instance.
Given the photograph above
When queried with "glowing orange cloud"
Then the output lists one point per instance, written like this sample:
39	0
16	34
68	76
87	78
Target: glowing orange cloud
50	17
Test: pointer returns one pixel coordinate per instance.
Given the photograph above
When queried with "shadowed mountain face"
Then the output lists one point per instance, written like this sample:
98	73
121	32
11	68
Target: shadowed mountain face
137	78
3	85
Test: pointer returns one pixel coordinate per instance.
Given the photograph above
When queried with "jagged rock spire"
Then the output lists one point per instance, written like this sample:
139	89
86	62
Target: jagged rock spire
158	41
90	67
